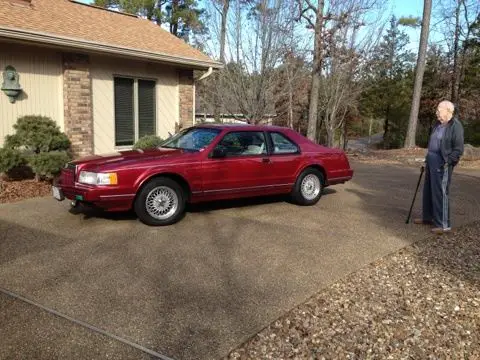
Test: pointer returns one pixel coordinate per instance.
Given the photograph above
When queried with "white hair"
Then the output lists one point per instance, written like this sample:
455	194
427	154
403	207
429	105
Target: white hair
448	105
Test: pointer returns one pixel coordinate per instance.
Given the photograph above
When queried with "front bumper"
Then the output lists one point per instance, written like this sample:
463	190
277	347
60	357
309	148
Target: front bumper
108	198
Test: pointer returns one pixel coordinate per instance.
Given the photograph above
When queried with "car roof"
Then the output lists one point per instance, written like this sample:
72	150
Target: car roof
242	127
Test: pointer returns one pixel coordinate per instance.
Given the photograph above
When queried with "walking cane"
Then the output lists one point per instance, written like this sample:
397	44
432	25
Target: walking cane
415	195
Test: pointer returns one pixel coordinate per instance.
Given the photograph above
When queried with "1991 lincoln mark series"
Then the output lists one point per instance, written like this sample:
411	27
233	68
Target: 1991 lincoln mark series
204	163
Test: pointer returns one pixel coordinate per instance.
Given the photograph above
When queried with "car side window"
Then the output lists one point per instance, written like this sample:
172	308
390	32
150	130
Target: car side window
282	145
243	143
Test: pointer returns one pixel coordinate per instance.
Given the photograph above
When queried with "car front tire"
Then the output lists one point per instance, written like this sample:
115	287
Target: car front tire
308	187
160	202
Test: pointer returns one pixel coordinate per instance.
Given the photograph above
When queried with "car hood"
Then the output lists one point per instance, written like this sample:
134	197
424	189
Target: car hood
128	156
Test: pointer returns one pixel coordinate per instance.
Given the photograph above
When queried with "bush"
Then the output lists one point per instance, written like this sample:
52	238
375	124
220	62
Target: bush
48	164
37	143
472	132
147	142
37	134
10	159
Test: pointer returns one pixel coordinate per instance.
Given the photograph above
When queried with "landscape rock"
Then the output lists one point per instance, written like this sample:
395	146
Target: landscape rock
471	153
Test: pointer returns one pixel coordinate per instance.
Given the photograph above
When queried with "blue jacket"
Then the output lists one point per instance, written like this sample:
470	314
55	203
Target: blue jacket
452	142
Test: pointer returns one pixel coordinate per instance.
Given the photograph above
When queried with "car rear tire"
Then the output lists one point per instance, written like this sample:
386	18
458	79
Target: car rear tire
160	202
308	187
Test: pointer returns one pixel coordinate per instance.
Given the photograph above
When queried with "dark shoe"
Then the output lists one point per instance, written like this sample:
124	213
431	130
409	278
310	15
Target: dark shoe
439	230
420	221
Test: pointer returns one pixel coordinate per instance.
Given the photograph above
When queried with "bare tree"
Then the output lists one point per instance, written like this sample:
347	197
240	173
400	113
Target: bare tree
456	41
223	8
251	76
307	11
419	71
333	63
292	91
453	20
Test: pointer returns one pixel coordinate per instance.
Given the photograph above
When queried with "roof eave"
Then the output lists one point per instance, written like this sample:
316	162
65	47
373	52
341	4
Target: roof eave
56	40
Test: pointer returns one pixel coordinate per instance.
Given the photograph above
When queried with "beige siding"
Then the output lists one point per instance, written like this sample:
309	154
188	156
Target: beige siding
41	80
103	70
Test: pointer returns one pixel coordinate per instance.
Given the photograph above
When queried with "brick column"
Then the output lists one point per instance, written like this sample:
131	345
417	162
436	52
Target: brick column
77	100
186	98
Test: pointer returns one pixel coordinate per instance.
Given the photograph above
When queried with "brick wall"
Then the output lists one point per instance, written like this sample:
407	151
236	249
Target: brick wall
186	98
77	99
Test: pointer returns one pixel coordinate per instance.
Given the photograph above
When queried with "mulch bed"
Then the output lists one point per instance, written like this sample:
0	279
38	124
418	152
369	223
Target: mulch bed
422	302
412	157
12	191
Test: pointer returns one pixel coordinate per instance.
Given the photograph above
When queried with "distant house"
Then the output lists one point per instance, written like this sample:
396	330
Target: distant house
105	77
231	118
229	111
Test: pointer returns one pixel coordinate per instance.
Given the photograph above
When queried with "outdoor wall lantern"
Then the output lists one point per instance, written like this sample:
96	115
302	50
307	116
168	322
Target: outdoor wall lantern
11	87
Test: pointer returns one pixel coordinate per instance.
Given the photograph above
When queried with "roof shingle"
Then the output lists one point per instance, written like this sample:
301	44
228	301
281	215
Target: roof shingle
68	19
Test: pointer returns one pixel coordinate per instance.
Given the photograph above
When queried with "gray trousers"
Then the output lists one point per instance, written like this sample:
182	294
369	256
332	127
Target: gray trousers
436	187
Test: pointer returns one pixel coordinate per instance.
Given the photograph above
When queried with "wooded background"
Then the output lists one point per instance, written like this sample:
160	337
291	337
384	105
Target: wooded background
332	70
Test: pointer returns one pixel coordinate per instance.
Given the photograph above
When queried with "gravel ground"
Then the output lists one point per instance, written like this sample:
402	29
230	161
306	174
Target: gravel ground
11	191
422	302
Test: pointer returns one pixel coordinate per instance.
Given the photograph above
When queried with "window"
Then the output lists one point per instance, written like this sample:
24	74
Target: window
192	139
282	145
244	143
135	114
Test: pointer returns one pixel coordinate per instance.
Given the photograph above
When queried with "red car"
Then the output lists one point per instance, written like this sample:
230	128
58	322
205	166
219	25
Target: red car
204	163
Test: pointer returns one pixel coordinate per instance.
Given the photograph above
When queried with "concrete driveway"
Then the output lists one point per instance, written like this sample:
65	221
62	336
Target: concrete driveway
197	289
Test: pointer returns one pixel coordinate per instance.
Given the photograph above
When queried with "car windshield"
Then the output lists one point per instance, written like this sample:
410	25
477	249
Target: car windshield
193	139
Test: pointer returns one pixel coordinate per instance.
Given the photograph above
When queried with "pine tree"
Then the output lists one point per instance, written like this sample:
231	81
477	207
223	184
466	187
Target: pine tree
182	16
388	83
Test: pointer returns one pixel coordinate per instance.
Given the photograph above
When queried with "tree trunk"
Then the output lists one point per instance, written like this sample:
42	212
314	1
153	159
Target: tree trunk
417	89
174	19
386	129
223	31
456	72
238	32
330	137
290	99
344	135
316	73
290	109
370	124
223	35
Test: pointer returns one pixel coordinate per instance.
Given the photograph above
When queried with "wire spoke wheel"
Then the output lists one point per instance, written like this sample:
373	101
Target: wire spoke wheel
162	202
310	187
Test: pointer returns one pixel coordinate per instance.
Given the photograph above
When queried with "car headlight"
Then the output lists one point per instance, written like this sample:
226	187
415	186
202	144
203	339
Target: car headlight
91	178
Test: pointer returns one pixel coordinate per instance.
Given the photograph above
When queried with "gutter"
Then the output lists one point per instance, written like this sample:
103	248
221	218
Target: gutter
63	41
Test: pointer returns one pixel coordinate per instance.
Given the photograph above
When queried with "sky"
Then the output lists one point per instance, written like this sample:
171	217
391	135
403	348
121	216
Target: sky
397	7
409	8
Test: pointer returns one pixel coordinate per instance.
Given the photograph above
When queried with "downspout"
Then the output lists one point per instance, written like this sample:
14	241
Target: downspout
206	74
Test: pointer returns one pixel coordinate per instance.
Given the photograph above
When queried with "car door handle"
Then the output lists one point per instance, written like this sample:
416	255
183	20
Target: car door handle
266	160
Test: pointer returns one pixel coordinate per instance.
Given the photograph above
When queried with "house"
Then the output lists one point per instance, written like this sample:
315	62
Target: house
231	118
105	77
229	111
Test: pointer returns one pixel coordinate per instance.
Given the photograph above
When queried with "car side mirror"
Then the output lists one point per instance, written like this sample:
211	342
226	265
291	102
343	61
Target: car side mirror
219	152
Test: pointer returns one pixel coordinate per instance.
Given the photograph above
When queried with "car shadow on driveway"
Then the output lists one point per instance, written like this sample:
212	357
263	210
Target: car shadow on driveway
206	207
245	202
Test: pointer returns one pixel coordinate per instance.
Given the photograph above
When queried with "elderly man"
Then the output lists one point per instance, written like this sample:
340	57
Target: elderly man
444	150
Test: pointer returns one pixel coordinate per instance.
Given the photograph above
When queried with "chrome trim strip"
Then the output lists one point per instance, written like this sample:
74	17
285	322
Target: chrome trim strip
247	188
116	196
